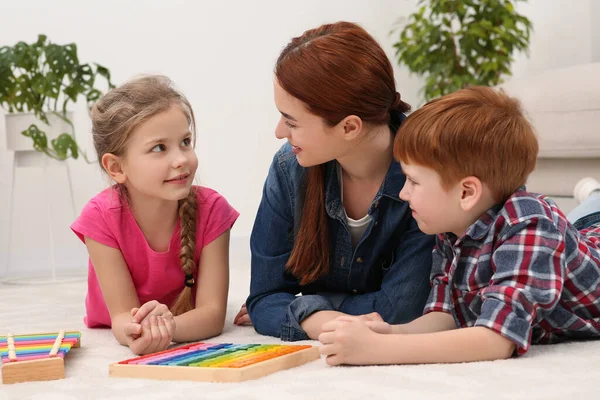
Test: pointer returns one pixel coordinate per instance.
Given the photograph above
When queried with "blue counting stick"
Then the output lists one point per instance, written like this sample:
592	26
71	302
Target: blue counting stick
166	360
196	357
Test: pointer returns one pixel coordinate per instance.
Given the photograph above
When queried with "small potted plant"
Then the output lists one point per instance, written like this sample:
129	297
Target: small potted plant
38	81
457	43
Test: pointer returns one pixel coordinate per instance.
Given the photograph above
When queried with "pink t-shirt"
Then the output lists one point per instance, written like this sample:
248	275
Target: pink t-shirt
156	275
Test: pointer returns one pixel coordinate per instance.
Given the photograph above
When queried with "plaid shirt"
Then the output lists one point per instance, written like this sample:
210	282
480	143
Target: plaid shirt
523	271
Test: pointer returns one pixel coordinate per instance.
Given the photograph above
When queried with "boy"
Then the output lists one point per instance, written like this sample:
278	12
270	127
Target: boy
509	270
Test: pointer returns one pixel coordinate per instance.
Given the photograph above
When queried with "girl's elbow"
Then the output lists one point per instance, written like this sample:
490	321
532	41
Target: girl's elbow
218	322
219	326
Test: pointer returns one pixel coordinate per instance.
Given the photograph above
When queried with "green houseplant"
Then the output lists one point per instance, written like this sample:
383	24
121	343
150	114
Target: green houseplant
43	78
457	43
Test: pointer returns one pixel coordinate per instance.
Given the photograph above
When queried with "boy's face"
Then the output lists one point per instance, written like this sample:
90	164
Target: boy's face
435	209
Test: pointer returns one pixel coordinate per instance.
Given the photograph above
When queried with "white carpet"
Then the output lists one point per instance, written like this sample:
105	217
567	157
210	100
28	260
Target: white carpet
550	372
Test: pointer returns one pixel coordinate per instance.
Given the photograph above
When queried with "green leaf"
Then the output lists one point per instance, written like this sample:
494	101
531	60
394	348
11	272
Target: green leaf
34	76
63	144
476	49
40	141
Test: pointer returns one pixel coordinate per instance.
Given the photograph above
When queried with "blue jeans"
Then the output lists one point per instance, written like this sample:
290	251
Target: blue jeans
587	213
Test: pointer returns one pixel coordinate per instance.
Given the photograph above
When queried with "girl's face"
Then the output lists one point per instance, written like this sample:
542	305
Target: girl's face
312	140
159	160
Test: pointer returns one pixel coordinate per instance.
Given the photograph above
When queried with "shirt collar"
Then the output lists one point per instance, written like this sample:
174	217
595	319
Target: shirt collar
480	228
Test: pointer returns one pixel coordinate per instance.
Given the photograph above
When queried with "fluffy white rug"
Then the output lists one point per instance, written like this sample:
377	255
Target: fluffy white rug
549	372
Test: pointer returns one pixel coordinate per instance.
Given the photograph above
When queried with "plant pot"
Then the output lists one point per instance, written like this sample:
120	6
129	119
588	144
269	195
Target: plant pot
18	122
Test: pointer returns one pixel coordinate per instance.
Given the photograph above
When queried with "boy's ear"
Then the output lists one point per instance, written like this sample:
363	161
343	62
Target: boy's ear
350	127
471	190
114	168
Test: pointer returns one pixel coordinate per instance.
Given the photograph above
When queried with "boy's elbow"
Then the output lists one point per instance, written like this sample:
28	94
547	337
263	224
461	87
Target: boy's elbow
508	350
492	345
504	349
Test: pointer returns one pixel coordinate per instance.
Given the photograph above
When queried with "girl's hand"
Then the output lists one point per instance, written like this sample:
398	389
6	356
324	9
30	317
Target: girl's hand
347	340
242	317
132	331
152	335
152	307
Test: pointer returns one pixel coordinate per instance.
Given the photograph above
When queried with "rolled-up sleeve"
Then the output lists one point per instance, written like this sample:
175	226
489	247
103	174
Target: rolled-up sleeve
527	282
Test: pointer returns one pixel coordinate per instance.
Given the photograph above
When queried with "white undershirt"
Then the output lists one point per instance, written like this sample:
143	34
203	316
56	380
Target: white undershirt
356	227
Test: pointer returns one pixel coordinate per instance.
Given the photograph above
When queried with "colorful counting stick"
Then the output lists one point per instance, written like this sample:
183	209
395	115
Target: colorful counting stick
215	362
36	357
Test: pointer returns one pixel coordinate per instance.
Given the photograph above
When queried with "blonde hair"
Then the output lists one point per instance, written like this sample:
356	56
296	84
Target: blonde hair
114	117
476	131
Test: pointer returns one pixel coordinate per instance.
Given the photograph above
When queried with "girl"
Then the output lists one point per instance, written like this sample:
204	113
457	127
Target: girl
330	224
158	246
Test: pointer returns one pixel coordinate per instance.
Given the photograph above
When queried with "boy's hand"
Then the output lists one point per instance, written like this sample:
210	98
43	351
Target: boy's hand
374	316
380	327
373	320
152	335
347	340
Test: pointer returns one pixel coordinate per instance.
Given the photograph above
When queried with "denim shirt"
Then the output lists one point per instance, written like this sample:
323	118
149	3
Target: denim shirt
387	272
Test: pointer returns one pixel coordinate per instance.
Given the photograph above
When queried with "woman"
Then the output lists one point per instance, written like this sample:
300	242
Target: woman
330	225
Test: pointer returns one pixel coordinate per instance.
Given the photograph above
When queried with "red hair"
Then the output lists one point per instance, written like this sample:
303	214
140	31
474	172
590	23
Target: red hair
336	70
476	131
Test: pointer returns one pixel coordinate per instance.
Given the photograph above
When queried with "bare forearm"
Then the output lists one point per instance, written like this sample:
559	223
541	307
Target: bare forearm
458	345
428	323
199	323
117	324
314	323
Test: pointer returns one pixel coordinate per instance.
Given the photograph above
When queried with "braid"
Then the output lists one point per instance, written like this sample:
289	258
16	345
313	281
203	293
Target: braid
187	220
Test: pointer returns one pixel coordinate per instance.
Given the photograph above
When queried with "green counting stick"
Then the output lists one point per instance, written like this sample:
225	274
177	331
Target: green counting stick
254	353
205	355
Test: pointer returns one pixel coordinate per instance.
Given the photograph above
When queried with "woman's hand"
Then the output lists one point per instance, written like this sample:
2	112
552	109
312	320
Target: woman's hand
242	317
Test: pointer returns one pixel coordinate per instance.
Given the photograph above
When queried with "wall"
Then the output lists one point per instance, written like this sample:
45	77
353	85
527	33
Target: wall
595	33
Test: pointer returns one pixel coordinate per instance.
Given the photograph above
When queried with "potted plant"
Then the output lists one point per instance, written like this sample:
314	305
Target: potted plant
457	43
38	81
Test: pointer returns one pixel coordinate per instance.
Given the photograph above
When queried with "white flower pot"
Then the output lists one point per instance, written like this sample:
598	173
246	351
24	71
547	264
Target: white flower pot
18	122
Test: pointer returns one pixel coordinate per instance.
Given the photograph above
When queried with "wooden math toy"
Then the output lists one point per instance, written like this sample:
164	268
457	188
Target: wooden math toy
215	362
36	357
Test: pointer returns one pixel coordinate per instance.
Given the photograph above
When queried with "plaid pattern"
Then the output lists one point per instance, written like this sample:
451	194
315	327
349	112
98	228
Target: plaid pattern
523	271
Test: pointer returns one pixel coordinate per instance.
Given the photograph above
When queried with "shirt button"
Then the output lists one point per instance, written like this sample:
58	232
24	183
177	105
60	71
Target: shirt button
359	260
354	291
342	261
376	204
376	222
